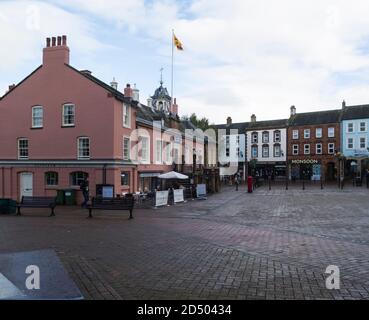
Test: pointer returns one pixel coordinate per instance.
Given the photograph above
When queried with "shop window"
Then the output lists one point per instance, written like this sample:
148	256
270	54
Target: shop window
51	178
124	178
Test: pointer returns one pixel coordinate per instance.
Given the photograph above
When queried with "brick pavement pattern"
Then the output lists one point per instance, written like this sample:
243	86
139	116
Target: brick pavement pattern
266	245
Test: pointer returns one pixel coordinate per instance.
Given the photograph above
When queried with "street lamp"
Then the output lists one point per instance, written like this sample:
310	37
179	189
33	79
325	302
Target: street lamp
339	156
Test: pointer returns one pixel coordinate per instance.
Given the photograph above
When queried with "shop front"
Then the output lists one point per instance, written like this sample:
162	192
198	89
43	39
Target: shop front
308	169
148	181
277	170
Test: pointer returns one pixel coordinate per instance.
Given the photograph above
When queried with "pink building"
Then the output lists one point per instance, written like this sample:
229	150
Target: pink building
60	125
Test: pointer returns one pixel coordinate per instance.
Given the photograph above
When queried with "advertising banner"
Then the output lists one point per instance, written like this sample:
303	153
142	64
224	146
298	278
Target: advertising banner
178	195
161	198
201	191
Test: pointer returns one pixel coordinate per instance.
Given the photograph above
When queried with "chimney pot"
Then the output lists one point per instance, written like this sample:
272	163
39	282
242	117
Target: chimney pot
53	41
128	92
253	118
343	104
64	39
229	121
48	42
59	41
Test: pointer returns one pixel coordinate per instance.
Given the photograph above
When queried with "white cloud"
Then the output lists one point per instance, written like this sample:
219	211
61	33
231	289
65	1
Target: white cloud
241	56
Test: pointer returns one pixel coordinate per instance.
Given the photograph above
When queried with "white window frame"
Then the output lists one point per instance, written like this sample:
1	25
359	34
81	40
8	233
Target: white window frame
254	135
362	122
331	132
305	150
126	149
348	127
145	152
126	116
365	145
306	133
320	135
265	137
159	151
331	147
262	151
81	149
295	149
348	143
275	147
64	115
23	148
39	117
295	134
317	147
252	152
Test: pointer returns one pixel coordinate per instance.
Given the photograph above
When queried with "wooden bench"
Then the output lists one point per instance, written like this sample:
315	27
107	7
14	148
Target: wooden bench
124	203
37	202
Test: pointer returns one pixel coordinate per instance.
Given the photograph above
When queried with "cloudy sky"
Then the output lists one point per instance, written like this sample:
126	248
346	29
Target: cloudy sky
241	56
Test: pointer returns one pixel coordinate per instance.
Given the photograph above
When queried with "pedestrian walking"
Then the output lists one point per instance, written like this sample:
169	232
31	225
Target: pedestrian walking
84	186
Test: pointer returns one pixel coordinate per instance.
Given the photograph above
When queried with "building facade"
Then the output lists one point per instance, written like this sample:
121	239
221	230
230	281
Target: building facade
60	126
267	148
355	138
313	140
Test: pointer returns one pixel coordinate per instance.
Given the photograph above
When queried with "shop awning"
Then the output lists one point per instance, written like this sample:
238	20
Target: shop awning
149	174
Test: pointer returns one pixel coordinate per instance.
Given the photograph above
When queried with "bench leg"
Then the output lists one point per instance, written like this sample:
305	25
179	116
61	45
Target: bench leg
52	212
18	211
89	213
130	214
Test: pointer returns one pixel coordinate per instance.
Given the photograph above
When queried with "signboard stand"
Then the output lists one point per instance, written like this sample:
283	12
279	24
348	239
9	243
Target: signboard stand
201	192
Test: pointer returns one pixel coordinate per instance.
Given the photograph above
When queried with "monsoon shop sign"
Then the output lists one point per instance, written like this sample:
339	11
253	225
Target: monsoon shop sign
307	161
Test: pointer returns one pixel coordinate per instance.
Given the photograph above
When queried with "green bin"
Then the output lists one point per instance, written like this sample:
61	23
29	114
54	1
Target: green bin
7	206
60	198
70	197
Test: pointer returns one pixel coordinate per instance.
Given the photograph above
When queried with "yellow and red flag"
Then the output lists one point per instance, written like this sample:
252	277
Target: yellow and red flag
177	43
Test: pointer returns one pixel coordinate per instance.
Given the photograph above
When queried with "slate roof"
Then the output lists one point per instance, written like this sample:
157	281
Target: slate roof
242	127
316	117
355	112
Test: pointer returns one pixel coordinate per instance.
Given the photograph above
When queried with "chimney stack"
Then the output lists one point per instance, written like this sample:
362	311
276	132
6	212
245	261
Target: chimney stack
56	51
343	104
135	94
128	92
229	121
293	111
253	118
175	106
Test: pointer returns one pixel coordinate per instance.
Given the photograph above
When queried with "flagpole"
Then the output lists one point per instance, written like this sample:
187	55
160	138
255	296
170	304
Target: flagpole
171	102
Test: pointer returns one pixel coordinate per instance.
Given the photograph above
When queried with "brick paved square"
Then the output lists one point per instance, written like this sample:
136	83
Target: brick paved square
265	245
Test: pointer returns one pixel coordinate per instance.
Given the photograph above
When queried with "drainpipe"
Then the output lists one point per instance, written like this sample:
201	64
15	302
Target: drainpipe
104	174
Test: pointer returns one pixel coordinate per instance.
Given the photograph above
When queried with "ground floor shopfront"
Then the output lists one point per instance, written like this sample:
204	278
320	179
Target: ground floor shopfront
275	170
312	169
46	179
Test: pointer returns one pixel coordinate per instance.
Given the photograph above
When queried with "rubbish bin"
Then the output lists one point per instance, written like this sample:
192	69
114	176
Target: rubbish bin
7	206
70	196
60	198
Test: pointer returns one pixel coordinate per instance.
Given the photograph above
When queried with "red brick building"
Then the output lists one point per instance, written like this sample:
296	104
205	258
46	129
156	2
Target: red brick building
313	139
